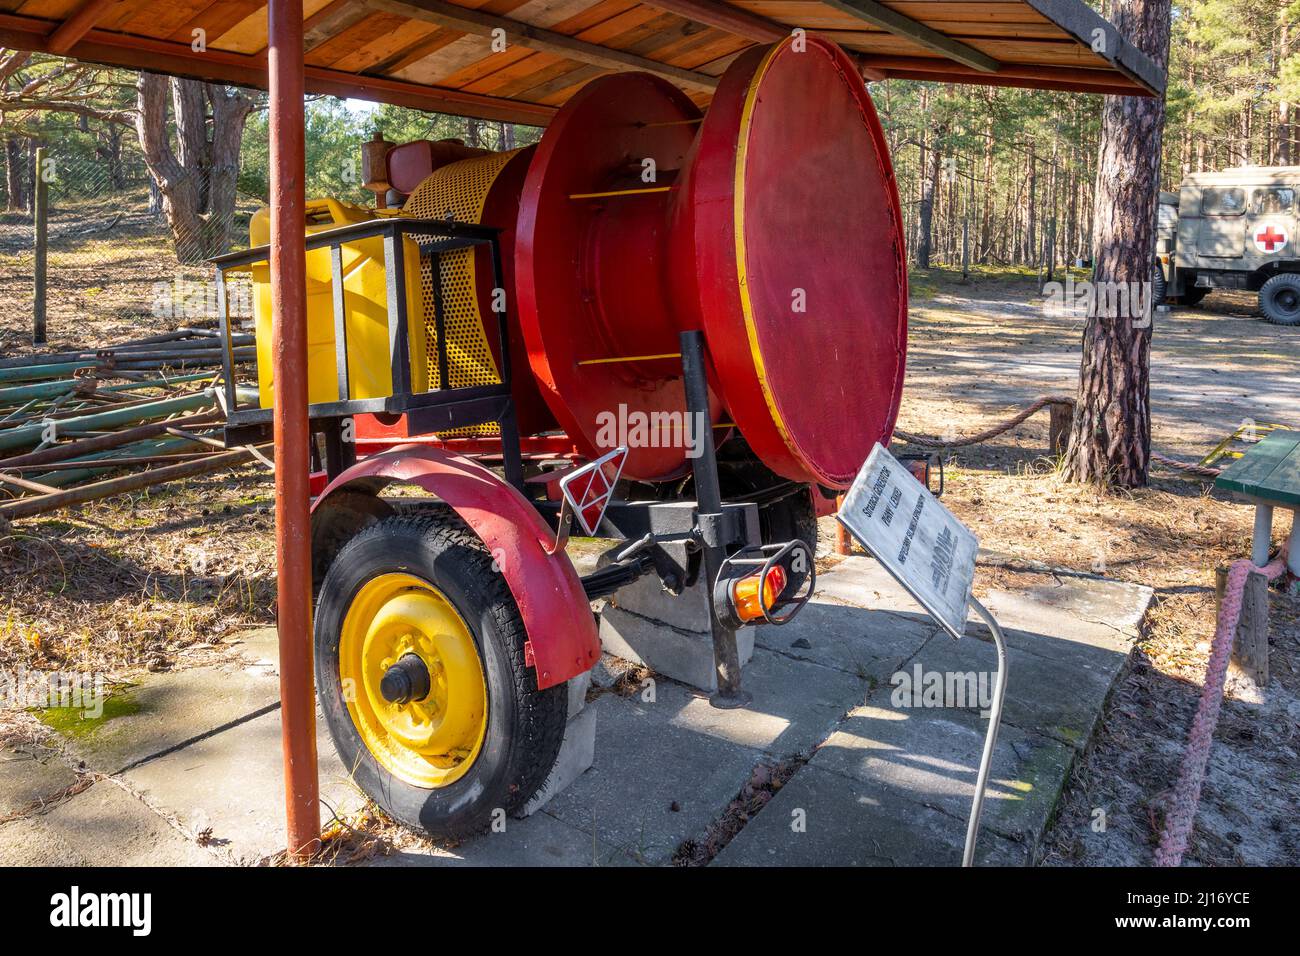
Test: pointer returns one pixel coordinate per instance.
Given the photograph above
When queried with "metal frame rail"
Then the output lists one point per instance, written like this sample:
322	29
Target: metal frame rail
435	410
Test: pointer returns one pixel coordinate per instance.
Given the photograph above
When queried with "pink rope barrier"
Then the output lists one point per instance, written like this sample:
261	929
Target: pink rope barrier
1191	776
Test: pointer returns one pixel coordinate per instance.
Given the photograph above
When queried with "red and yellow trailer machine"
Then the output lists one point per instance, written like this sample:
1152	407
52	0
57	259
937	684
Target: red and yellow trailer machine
700	263
649	288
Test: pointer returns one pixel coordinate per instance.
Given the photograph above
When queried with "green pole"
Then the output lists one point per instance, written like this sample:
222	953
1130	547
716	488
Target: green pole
104	421
23	393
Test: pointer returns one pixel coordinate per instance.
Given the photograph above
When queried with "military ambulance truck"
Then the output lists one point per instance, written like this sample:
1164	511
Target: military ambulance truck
1234	229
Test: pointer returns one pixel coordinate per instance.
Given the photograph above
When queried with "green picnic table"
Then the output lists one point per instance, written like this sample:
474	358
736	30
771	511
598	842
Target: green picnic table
1268	476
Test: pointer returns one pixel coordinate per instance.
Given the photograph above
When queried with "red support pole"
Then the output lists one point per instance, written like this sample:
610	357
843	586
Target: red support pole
843	540
289	354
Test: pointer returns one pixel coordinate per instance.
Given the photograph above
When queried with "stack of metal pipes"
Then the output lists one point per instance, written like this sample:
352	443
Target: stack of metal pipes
69	420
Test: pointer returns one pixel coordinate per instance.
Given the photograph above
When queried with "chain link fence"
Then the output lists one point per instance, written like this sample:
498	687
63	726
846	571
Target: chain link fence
115	267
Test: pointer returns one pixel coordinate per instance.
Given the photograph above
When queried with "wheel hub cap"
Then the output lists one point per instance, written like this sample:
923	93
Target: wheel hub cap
405	681
411	676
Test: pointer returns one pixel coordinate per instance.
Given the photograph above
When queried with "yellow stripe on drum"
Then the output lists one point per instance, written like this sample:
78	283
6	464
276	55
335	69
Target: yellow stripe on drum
747	307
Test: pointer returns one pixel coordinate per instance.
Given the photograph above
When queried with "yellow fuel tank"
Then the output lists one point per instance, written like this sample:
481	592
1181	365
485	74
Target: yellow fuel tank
365	307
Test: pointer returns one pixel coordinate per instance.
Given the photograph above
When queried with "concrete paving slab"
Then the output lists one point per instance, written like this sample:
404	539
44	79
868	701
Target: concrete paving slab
820	818
102	826
1058	696
164	711
860	580
795	705
866	643
653	784
931	756
202	747
541	840
1106	614
233	782
26	779
260	647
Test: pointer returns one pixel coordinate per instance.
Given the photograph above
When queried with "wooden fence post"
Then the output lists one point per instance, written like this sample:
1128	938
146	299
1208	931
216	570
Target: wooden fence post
40	204
1058	429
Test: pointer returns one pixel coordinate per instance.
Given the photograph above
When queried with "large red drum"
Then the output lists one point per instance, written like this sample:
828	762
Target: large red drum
772	224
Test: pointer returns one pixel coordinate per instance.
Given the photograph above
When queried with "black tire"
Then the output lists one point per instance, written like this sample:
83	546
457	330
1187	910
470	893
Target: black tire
790	518
1192	296
525	726
1159	286
1279	299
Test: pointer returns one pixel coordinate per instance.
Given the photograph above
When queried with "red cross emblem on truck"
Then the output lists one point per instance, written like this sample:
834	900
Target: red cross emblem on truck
1270	238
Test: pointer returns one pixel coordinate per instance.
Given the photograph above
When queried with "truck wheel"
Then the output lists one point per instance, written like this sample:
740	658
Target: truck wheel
1192	295
1159	285
1279	299
421	675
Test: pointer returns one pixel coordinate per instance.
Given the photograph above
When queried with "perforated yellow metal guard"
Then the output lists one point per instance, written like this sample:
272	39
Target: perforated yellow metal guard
459	191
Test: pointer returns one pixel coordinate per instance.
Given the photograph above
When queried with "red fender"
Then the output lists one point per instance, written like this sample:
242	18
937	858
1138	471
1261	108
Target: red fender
562	638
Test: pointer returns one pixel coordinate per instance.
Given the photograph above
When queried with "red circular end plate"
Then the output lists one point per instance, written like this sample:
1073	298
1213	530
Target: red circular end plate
793	228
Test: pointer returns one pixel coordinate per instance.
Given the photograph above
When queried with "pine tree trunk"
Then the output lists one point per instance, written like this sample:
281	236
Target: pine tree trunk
986	235
14	174
926	220
1283	105
230	110
1031	213
197	180
1110	442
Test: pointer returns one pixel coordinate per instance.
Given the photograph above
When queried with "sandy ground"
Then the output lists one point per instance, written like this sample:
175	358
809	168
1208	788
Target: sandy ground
980	352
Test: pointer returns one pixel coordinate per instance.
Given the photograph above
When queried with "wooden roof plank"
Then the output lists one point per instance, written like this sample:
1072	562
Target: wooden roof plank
160	20
1092	31
240	69
216	19
417	51
1051	44
331	20
473	21
727	17
372	26
916	33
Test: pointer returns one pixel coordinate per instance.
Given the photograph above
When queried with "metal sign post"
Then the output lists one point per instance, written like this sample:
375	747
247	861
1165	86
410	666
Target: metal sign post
931	554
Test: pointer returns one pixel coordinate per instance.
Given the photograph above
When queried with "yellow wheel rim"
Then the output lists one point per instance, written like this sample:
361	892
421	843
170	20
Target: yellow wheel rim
431	742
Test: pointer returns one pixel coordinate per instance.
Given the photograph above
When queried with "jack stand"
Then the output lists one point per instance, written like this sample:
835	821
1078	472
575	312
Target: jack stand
991	738
708	497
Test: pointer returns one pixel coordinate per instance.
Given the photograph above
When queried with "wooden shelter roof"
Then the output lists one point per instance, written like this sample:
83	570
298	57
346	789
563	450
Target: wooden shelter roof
448	56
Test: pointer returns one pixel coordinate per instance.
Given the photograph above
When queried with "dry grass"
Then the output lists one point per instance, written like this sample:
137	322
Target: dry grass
152	580
108	261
